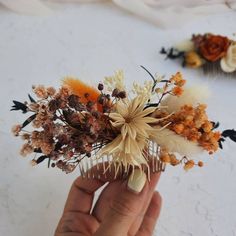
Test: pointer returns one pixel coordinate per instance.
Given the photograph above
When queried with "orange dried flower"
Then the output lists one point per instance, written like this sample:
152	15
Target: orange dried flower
181	83
192	59
176	78
189	165
177	91
165	158
173	160
178	128
193	124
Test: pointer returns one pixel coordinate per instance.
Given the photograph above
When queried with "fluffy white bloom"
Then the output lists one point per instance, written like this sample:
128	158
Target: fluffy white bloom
175	143
228	63
191	96
186	45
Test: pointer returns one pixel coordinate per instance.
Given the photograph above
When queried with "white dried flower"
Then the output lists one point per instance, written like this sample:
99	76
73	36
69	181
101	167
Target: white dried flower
115	82
145	90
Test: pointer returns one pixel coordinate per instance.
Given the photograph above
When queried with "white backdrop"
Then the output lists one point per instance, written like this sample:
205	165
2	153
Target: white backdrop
91	41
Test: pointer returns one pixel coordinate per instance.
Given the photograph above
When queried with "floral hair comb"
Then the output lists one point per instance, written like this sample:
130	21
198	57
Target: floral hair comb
214	53
158	123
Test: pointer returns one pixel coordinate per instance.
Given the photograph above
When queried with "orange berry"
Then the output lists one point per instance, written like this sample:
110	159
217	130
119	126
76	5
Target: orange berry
178	128
165	158
200	164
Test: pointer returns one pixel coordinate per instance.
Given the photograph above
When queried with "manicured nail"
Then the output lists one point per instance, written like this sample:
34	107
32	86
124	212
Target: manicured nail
137	181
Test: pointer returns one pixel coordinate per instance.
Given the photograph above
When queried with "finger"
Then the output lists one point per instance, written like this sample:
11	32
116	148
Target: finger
151	216
154	179
123	210
81	195
112	190
77	222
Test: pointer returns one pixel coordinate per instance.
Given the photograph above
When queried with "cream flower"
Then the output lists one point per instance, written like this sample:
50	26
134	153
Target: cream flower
133	122
145	90
185	45
115	82
228	63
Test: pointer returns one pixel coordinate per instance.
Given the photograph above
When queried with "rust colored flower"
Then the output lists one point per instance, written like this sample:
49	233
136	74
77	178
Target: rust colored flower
214	47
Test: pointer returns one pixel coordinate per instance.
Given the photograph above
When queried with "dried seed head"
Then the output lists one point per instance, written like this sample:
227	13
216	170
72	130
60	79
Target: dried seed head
100	86
122	94
115	92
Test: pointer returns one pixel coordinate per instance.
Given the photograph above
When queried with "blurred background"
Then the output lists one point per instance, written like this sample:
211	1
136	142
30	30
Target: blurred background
91	41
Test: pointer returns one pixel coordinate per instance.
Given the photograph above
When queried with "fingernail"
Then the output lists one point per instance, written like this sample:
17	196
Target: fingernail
137	181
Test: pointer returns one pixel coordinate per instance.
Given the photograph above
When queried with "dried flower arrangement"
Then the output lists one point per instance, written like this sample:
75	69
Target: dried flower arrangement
214	53
79	125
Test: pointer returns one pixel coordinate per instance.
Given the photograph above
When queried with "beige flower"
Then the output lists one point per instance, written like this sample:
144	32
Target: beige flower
133	122
228	63
115	82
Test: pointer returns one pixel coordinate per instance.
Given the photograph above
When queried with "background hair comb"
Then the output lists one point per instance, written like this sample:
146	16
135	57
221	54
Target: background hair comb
215	54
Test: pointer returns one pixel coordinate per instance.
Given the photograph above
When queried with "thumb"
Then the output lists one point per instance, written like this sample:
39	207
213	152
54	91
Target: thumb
125	207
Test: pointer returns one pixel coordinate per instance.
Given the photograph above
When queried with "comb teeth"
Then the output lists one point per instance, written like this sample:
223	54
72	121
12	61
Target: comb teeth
90	167
214	69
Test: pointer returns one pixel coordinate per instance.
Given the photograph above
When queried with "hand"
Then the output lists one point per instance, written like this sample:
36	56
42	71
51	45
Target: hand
118	211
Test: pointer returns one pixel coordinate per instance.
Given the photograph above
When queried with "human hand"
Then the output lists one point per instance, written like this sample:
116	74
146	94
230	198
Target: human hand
119	211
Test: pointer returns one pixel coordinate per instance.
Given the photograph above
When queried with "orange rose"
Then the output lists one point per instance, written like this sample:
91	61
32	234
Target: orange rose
214	47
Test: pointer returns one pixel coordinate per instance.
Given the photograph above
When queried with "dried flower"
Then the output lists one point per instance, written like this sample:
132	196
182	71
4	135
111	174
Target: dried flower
16	129
51	91
228	63
133	122
192	59
26	149
100	87
41	92
115	82
189	165
173	160
214	47
177	91
25	136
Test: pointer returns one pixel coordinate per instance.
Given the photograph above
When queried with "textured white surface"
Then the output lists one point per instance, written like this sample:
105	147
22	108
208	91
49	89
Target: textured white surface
92	41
